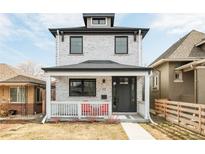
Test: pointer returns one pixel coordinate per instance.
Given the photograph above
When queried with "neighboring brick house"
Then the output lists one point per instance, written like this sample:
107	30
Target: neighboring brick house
179	73
98	63
23	93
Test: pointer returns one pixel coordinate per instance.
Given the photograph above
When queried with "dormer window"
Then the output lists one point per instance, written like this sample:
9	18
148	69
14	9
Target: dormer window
99	21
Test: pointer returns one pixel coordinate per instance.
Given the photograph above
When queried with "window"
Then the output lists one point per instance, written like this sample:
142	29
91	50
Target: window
99	21
76	45
18	95
38	95
156	82
178	76
121	44
82	87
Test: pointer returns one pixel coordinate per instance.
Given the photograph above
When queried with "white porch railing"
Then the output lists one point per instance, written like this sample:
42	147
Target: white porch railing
81	109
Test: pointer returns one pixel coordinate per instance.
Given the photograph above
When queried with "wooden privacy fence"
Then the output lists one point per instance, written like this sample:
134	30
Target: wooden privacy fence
188	115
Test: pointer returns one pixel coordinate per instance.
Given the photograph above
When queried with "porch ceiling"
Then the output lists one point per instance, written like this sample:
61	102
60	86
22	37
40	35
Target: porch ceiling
191	66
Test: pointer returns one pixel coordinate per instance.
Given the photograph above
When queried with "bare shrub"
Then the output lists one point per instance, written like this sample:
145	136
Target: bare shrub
4	109
112	120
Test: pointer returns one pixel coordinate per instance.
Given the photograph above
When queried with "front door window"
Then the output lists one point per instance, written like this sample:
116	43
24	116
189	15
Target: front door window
124	94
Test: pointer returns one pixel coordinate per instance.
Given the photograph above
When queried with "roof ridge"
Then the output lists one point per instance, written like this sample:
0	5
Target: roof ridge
168	52
28	76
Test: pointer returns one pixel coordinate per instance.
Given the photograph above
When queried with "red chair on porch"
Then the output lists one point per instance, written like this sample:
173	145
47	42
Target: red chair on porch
104	108
86	108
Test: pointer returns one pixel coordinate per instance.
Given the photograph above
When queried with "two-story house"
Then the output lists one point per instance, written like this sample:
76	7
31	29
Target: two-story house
98	70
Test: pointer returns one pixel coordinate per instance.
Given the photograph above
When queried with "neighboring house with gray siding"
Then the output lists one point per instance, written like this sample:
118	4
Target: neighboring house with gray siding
98	66
178	74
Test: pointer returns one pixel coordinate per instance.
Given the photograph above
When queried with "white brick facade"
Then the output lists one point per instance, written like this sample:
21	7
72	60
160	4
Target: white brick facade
62	89
98	47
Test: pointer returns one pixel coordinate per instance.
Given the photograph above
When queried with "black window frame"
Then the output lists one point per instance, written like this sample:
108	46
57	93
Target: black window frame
98	18
82	82
126	46
81	43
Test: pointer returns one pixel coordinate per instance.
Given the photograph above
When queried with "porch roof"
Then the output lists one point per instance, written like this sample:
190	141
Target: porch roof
97	65
191	66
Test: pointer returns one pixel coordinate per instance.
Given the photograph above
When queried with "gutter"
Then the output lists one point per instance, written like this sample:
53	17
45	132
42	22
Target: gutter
170	60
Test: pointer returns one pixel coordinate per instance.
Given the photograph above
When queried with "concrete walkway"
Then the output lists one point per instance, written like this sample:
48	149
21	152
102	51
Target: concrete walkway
135	132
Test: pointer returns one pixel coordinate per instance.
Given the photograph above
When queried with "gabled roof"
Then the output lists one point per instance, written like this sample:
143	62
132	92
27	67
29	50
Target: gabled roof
97	65
110	30
23	79
185	48
111	15
10	74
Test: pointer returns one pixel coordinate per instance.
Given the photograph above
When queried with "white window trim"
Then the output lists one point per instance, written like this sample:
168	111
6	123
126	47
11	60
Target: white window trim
10	96
98	24
180	77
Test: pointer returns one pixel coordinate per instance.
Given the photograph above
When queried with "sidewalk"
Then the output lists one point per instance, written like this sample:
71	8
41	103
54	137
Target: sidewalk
135	132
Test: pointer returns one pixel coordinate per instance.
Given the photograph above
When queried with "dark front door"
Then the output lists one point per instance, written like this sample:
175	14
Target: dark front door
124	94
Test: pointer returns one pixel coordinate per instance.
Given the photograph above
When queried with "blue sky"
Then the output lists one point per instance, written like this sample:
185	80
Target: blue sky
25	37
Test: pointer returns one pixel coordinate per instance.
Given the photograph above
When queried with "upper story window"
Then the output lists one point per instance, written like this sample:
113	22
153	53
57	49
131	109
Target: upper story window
76	45
121	44
99	21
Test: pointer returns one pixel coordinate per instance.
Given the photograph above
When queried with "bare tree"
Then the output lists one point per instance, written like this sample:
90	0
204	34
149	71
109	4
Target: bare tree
31	68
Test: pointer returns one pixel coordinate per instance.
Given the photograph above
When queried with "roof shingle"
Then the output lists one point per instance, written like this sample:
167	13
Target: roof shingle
185	48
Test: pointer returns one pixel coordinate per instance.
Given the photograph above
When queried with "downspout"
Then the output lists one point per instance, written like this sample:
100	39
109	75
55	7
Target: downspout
195	86
140	47
149	116
57	47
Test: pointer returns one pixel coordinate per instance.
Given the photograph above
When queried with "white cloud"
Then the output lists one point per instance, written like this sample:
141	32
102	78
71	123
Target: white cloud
61	20
5	26
179	23
33	28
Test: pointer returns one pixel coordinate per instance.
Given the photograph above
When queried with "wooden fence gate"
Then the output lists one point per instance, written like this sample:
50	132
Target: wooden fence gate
187	115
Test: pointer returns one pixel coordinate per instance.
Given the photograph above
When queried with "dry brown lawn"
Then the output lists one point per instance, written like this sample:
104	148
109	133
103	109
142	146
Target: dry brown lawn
168	131
24	130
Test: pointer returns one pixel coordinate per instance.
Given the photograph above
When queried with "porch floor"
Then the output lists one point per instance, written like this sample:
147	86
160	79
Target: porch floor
129	117
122	117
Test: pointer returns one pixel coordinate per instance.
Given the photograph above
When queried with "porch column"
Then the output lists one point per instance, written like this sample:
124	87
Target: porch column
147	95
48	96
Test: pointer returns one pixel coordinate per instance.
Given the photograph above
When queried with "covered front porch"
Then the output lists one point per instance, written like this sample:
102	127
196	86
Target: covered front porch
90	94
